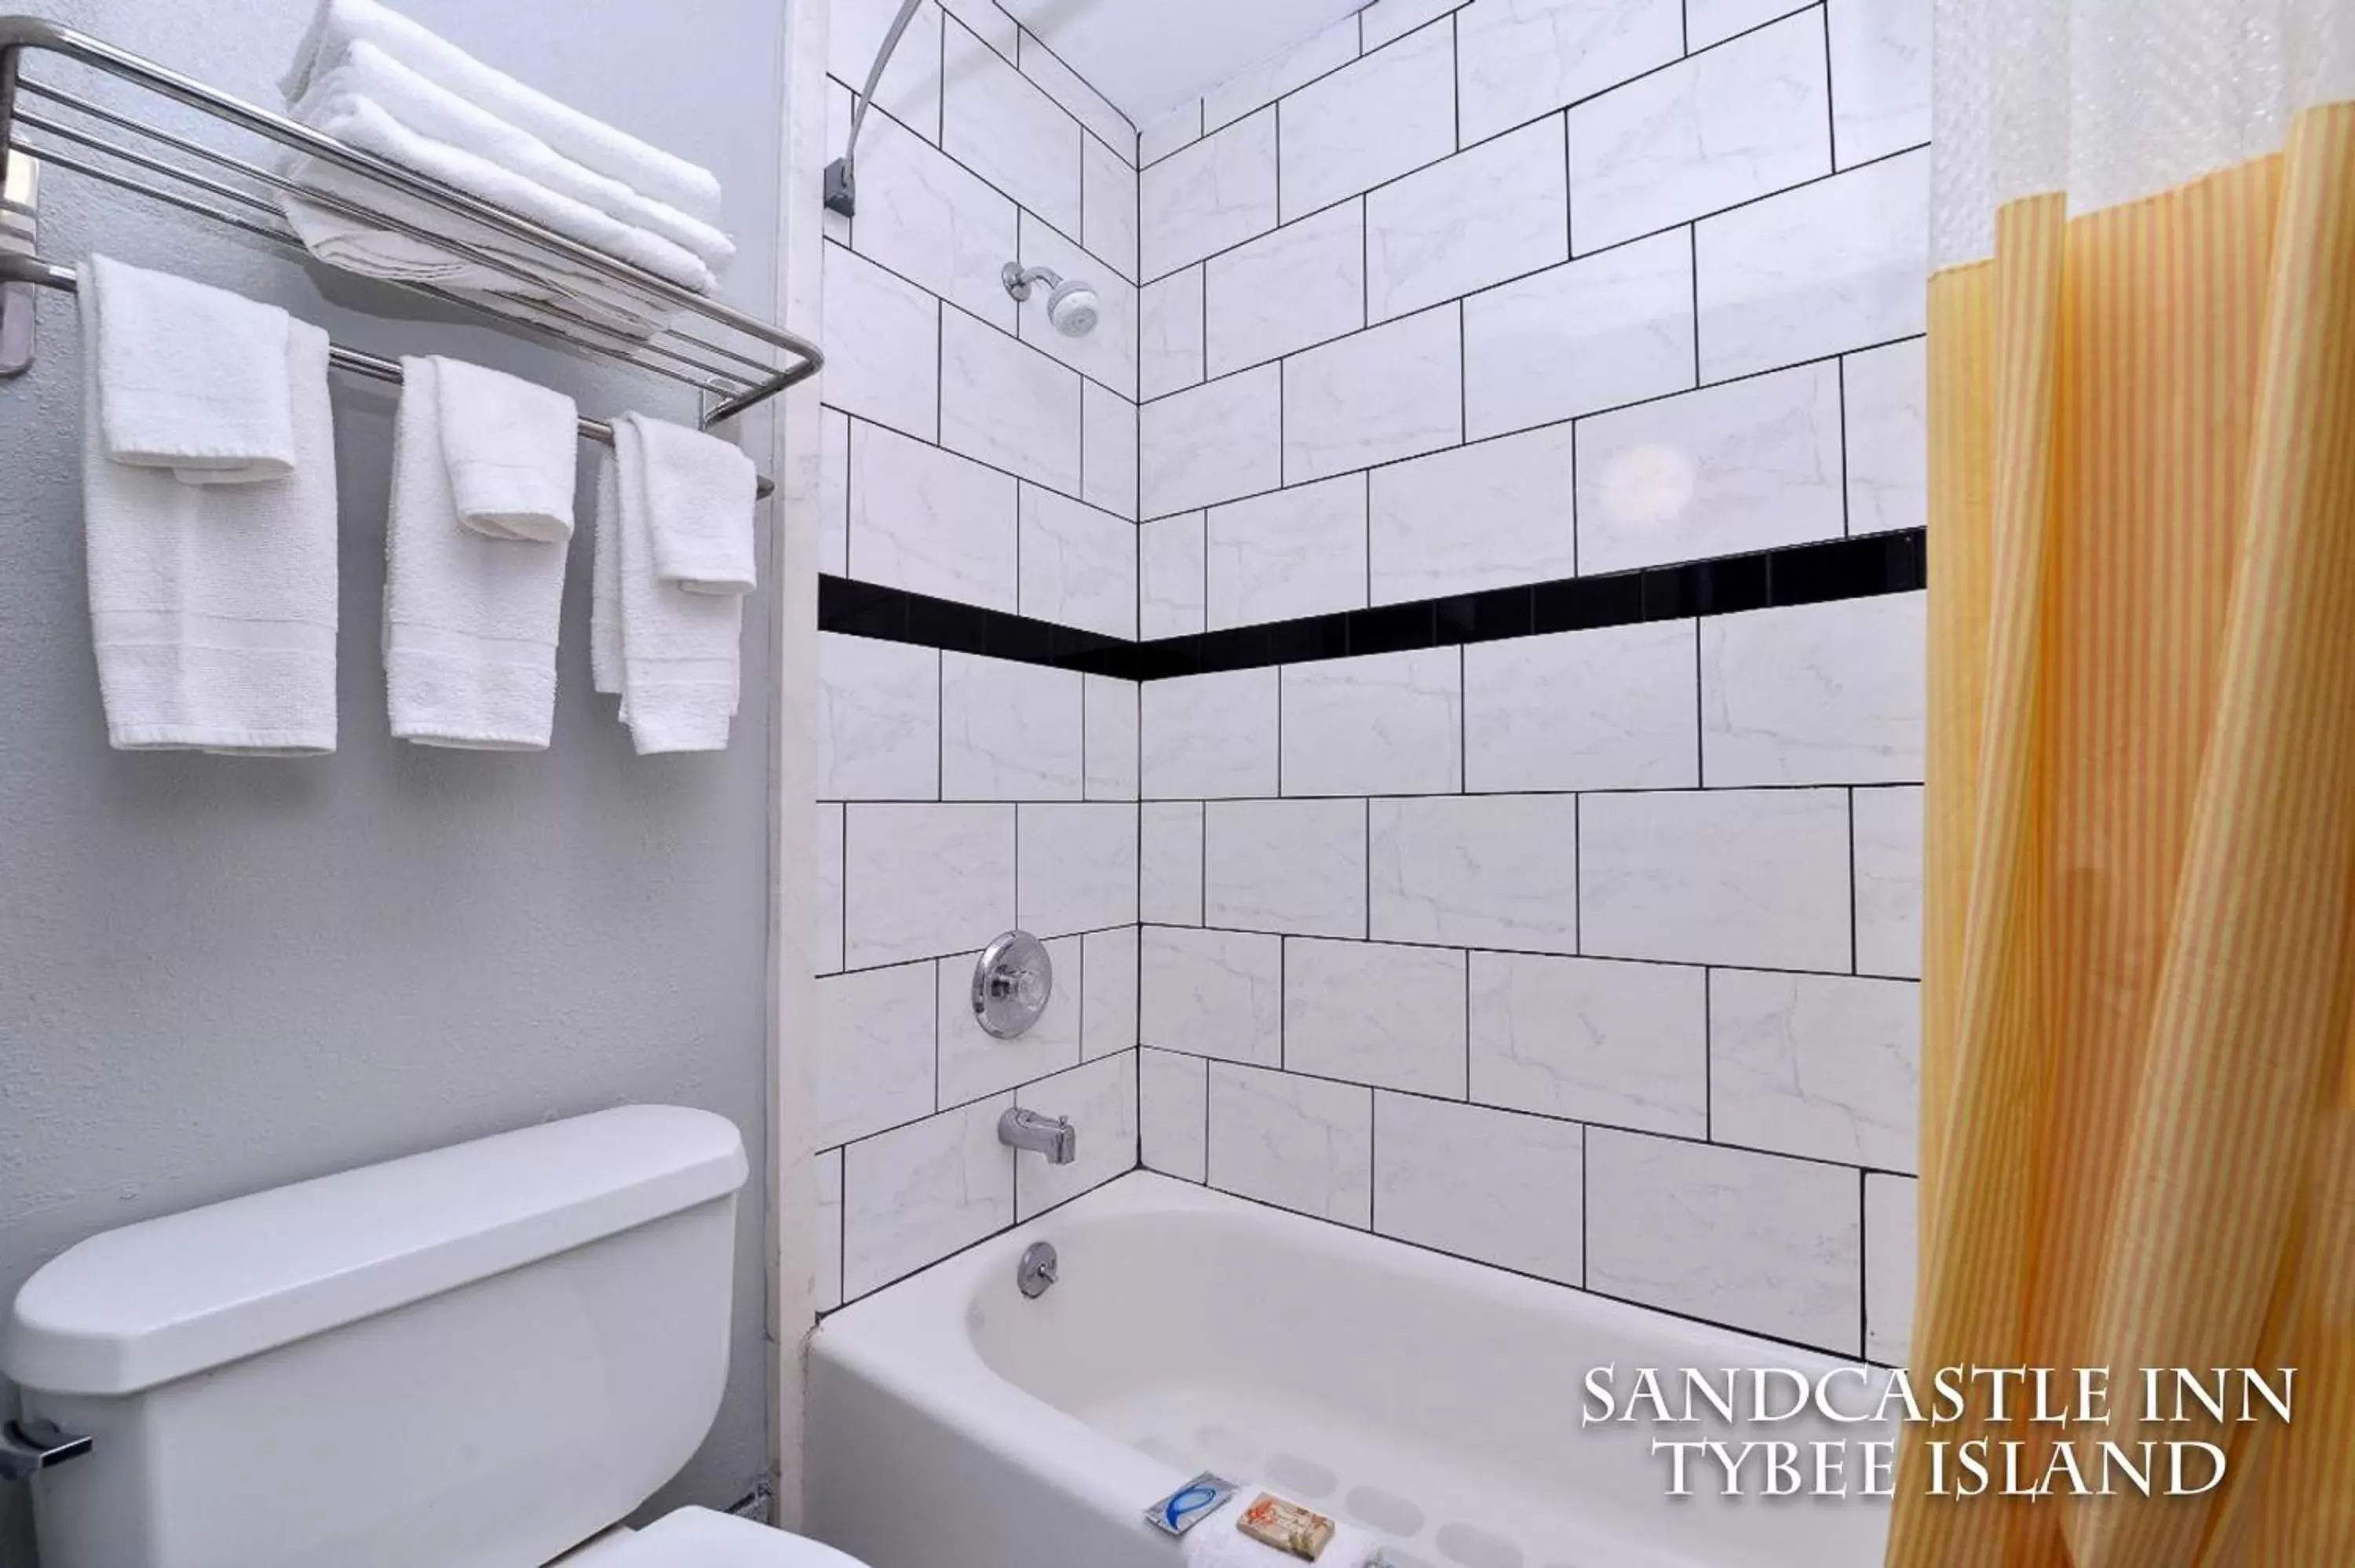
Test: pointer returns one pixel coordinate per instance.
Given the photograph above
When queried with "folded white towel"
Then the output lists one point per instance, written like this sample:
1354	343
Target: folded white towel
339	24
213	606
512	448
369	75
701	490
190	379
671	654
1217	1544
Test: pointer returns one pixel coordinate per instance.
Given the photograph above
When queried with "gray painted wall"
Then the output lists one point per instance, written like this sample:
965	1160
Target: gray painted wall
219	975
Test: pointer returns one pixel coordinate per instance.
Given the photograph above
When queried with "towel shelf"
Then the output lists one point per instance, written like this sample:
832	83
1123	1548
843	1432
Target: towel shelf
731	359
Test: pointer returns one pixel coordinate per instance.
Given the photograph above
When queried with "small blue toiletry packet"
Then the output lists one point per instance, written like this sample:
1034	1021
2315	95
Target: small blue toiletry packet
1190	1504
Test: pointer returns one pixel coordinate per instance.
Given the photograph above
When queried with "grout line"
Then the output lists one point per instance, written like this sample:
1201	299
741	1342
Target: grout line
1852	881
1863	1263
1708	1055
1847	523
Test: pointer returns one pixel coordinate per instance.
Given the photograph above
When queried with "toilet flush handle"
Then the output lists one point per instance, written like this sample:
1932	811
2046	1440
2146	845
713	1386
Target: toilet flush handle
35	1444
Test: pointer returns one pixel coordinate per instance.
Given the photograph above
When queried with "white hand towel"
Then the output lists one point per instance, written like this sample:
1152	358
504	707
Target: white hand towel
1217	1544
700	492
341	23
213	606
470	621
190	379
672	654
368	74
512	448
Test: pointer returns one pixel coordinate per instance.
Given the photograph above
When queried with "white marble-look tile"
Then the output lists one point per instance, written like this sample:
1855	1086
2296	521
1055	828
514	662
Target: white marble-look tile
1100	1098
1589	334
975	1062
1109	725
989	22
1216	193
1107	355
1886	396
828	1185
1210	737
1482	871
1170	334
1298	1143
1709	22
1591	1039
1212	443
1520	58
1889	881
1297	866
886	366
930	521
1716	877
927	217
1373	1014
1880	77
1108	193
1171	577
826	955
1213	993
1289	553
1287	70
1814	693
875	1045
1108	999
878	720
1394	391
1380	724
1483	1184
1004	127
1723	126
1611	708
1828	1066
1299	285
1107	126
1178	129
1079	564
1078	867
1491	212
1170	863
913	1196
1173	1092
1108	451
1514	495
1891	1255
1753	1241
1835	265
1369	122
1009	730
911	89
834	493
1008	404
1719	471
922	880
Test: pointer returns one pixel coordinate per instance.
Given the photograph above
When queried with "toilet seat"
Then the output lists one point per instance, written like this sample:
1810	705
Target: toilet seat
698	1538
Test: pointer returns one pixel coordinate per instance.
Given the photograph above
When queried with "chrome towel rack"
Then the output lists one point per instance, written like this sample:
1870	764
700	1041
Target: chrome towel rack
730	357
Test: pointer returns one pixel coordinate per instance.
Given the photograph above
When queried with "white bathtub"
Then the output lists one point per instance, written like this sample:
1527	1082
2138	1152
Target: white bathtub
953	1423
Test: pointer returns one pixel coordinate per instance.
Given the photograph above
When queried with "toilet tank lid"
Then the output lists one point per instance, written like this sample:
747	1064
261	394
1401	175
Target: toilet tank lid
148	1303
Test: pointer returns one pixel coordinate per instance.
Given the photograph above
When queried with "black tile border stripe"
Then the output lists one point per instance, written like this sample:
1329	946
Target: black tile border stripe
1792	575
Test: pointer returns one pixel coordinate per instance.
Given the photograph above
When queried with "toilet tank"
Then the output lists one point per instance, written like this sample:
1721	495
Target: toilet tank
474	1357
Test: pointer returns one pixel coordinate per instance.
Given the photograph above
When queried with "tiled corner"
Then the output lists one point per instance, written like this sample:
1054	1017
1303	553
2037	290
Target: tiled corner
1108	721
1483	1184
1078	564
1172	575
1169	874
1108	451
1170	324
1299	1143
1108	1005
1174	1110
1078	867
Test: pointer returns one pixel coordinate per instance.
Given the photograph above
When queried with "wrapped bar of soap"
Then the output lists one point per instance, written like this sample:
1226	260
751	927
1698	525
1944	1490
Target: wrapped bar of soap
1286	1526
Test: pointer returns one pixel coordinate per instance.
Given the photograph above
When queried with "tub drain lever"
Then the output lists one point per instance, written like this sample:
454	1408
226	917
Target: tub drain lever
1037	1270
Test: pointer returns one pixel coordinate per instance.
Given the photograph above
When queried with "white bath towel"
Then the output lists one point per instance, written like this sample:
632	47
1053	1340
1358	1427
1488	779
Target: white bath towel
470	621
190	379
512	448
700	490
1217	1544
213	606
338	24
670	655
369	75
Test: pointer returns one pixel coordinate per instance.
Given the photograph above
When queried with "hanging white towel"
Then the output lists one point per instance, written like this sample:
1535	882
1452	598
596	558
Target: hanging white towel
213	606
671	654
189	378
338	24
512	448
700	492
470	621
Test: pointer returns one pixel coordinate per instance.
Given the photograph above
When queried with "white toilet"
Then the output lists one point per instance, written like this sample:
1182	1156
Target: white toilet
482	1357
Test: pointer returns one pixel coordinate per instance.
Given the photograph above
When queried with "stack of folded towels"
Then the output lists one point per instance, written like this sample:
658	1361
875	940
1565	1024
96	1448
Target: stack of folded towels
378	81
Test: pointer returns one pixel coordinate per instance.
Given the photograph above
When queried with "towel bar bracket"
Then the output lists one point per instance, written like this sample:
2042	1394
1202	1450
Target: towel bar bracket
20	187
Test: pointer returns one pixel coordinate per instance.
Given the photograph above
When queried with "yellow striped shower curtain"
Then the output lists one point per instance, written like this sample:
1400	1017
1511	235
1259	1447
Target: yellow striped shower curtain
2138	1087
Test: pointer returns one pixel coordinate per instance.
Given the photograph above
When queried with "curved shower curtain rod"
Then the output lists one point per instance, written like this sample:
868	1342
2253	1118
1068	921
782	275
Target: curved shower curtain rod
842	175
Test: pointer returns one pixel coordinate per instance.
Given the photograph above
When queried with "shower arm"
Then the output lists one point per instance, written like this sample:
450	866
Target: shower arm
842	175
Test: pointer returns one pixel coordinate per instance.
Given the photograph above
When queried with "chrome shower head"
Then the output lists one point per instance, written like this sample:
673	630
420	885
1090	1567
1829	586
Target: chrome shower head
1071	305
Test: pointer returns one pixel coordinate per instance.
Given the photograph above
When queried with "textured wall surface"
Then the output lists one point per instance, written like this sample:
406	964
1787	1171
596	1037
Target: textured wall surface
217	974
